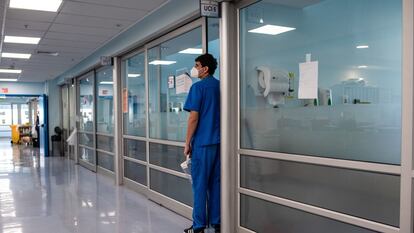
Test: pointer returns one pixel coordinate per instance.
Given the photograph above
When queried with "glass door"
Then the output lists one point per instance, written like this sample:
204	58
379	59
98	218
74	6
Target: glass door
86	113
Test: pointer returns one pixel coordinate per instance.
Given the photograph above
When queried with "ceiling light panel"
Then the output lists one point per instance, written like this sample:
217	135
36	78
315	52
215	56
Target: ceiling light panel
8	79
162	62
21	40
10	71
271	29
133	75
16	55
362	47
192	51
39	5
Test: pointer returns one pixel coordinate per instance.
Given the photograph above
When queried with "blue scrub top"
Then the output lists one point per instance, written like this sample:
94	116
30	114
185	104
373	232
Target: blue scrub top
204	98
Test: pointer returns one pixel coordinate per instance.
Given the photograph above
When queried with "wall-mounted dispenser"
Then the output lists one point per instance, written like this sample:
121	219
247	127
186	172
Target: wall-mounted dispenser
273	84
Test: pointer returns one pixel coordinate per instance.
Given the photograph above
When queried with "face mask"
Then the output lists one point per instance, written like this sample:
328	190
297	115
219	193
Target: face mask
194	72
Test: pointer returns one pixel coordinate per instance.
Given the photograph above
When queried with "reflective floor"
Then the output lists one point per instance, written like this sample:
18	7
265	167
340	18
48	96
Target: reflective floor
43	195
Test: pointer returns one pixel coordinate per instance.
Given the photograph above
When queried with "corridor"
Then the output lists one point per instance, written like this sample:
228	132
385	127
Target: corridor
45	195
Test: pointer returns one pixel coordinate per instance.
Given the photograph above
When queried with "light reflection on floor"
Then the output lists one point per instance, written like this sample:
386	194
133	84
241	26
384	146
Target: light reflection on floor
42	195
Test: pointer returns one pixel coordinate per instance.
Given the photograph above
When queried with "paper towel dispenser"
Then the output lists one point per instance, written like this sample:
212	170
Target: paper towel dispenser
273	84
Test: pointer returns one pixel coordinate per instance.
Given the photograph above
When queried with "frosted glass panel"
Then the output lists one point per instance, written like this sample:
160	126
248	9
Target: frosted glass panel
166	156
368	195
105	160
87	155
167	118
354	110
172	186
135	149
134	112
105	143
135	172
86	139
266	217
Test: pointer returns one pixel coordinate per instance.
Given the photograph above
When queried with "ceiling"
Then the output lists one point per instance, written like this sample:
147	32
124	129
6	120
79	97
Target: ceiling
75	31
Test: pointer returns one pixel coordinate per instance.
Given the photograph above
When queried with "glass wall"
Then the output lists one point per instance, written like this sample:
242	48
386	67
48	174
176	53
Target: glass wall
318	80
353	101
161	72
105	118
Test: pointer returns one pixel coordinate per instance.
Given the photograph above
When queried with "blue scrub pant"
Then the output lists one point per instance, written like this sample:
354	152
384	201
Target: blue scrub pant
205	172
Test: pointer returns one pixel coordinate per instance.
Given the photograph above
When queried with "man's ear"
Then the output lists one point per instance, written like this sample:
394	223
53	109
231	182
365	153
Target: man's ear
207	71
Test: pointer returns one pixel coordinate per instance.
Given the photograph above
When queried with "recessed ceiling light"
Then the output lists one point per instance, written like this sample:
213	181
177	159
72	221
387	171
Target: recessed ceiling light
16	55
106	82
21	40
362	67
162	62
362	47
39	5
133	75
8	79
191	51
10	71
271	29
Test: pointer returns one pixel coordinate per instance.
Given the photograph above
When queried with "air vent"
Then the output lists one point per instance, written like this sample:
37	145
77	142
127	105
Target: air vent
48	53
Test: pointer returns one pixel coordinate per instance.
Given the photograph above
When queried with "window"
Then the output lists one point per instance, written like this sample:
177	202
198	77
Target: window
86	100
168	62
354	110
134	104
105	101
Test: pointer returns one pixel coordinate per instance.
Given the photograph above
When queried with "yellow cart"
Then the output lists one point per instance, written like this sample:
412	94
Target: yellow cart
15	134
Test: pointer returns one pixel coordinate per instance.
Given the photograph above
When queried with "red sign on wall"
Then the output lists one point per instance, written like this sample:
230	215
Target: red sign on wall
4	90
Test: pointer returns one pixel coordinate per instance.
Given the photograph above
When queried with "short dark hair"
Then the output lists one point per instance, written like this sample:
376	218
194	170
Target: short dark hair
209	61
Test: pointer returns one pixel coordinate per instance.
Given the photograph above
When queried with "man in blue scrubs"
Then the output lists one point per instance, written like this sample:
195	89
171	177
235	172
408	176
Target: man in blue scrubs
203	144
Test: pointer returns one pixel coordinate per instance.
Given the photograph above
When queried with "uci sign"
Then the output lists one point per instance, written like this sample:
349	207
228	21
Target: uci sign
209	8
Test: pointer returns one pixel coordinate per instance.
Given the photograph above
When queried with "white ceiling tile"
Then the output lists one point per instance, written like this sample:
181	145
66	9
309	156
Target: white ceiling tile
18	48
75	37
31	25
131	4
32	16
90	21
83	30
64	49
78	8
68	43
23	32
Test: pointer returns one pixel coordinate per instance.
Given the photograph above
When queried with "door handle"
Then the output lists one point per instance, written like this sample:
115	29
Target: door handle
42	125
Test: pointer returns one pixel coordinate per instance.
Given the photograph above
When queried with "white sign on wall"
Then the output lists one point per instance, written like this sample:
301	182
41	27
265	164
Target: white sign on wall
210	8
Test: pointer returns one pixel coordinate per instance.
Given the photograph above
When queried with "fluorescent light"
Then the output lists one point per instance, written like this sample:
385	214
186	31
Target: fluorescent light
16	55
362	67
271	29
106	82
161	62
362	47
8	79
40	5
192	51
21	40
10	71
134	75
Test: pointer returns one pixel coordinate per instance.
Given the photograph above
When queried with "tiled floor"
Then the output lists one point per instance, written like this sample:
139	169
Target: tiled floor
52	195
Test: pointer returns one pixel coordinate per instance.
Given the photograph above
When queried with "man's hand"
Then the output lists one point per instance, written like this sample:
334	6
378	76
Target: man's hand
187	150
